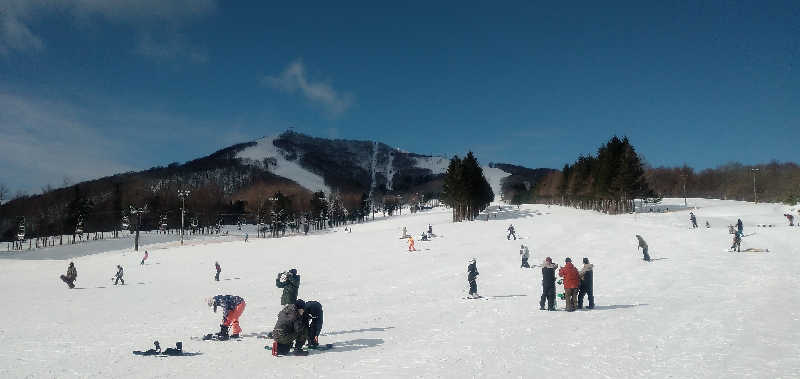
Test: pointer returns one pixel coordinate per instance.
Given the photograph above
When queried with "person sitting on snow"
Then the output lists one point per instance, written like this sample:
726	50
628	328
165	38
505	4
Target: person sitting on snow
233	307
290	328
71	276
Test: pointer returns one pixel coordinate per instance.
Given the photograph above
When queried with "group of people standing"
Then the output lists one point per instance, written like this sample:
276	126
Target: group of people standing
577	284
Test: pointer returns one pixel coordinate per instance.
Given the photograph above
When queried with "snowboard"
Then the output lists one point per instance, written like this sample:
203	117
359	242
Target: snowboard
214	337
66	280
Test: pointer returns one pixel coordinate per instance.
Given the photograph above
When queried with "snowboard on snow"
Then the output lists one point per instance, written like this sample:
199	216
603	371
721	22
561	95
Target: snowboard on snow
327	346
214	337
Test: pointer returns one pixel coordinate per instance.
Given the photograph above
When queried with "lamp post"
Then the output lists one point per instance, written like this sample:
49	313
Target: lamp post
684	176
755	195
138	213
183	194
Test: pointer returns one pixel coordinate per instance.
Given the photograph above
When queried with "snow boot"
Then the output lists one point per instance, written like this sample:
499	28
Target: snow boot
223	333
281	348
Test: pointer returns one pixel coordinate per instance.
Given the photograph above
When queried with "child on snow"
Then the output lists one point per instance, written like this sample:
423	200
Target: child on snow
118	276
472	276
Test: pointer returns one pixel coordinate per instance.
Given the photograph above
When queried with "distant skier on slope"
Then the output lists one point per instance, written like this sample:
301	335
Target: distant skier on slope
525	253
118	276
290	328
708	225
571	283
790	218
737	242
548	284
740	227
233	307
643	246
145	257
472	277
71	276
219	269
411	244
511	232
586	287
693	219
290	282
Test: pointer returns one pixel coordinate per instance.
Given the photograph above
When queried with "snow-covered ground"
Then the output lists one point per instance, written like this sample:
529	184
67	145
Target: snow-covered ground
695	311
495	178
265	149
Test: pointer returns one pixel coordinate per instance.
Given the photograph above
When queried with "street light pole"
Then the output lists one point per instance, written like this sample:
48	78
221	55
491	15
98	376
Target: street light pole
183	194
755	195
684	190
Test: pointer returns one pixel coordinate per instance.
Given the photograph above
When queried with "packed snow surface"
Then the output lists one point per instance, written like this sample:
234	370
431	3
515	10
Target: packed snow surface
290	169
495	178
695	311
437	165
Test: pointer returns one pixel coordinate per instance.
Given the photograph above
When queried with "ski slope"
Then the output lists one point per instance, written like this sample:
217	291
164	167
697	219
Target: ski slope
696	311
291	169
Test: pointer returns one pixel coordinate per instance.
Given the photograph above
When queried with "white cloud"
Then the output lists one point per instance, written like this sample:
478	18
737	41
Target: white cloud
43	142
294	79
146	16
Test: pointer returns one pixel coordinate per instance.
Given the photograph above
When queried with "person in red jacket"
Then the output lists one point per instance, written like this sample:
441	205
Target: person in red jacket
572	282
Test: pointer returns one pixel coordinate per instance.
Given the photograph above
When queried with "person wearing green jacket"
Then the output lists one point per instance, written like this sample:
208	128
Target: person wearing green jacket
290	282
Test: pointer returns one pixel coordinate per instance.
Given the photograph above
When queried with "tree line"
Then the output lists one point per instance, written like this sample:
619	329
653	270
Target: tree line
465	188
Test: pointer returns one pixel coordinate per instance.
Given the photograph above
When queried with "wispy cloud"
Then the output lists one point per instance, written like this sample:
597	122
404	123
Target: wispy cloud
294	79
43	142
17	18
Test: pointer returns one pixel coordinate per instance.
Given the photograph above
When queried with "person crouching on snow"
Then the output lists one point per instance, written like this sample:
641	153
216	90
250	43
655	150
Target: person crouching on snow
290	328
233	307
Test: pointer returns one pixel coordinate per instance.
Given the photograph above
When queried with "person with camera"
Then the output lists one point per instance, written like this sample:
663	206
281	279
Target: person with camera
290	282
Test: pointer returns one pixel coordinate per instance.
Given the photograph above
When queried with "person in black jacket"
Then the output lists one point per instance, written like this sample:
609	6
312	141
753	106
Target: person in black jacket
219	269
586	284
548	284
472	276
290	282
234	307
313	313
290	328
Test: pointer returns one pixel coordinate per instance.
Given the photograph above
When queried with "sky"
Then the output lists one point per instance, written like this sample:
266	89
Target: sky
90	88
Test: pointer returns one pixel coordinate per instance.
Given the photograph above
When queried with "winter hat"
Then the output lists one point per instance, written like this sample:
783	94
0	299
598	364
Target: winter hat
293	271
586	261
548	260
568	260
472	260
299	304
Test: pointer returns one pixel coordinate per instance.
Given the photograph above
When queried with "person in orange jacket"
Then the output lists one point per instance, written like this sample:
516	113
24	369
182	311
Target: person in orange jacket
572	281
411	244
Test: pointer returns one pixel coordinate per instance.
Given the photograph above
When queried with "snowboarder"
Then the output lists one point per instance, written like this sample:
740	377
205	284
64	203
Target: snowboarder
145	257
290	328
472	276
586	274
523	251
313	313
708	225
72	275
790	218
290	282
118	276
246	236
740	227
548	284
693	219
423	237
643	246
219	269
511	233
430	230
233	307
571	283
405	233
737	242
411	244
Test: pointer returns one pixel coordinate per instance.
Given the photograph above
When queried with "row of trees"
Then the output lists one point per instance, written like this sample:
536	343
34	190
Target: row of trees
608	182
465	188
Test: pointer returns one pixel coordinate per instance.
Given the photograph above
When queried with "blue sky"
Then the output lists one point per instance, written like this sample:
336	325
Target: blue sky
93	87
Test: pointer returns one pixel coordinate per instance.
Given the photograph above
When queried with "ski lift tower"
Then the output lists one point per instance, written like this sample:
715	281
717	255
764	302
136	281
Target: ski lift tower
138	213
183	194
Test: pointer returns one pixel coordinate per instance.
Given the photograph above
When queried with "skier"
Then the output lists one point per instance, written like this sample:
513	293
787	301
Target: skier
313	313
233	307
523	251
693	219
145	257
789	217
411	244
548	284
586	274
118	276
571	283
430	230
472	276
643	246
511	233
290	282
219	269
290	328
740	227
72	275
737	242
